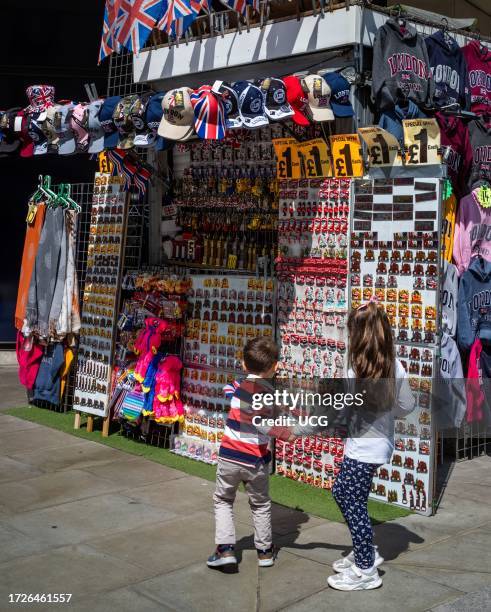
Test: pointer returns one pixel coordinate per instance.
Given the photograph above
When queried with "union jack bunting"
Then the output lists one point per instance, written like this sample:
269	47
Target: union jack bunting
136	19
209	114
109	29
178	15
240	5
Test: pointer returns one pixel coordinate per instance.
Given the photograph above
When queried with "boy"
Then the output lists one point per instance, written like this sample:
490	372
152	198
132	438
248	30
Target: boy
244	457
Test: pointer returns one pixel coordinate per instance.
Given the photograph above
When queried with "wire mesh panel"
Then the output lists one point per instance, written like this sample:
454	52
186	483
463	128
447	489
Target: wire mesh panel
120	81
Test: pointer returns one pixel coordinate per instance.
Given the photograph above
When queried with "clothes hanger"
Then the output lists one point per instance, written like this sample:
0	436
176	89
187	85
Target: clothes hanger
47	187
71	202
40	195
446	35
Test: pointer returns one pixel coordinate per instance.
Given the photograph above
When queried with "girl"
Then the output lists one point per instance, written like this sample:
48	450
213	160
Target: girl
385	387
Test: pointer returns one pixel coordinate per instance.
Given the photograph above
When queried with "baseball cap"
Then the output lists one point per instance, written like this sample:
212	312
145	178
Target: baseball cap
276	105
122	120
40	98
36	133
20	127
230	101
96	133
340	94
66	144
178	115
153	117
143	135
78	124
251	107
106	120
48	127
297	99
319	96
209	115
10	139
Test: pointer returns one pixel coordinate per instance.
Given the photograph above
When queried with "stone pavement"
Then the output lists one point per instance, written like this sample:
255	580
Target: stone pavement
121	532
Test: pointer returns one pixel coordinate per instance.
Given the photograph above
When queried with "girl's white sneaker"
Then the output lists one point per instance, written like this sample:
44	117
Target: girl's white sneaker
355	579
346	562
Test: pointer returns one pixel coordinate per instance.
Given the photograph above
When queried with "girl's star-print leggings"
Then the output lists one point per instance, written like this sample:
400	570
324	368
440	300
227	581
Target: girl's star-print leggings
351	491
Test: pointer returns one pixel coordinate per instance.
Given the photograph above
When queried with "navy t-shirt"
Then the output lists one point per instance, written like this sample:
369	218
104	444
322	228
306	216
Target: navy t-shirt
48	381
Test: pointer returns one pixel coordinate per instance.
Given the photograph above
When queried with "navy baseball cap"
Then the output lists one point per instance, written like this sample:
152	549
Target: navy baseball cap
146	119
36	133
251	107
230	100
111	137
276	105
340	94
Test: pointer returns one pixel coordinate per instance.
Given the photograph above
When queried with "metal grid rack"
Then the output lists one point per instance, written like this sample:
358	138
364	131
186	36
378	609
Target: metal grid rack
120	80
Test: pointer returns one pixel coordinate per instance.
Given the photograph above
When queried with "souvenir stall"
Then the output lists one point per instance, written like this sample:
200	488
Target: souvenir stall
282	198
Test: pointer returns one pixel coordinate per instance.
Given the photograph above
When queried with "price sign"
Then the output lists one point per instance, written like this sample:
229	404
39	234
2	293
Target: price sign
105	164
383	147
422	141
346	155
314	158
287	162
232	262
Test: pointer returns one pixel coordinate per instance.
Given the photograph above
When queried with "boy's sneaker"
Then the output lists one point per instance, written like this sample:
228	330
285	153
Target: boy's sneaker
223	559
346	562
355	579
265	558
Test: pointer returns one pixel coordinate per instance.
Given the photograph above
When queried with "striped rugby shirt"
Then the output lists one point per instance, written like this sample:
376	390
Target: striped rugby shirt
243	442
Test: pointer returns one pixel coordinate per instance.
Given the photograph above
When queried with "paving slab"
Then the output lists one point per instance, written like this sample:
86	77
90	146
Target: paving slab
14	544
79	455
196	588
53	489
10	423
184	495
76	569
470	552
401	590
461	580
12	393
88	519
12	470
474	602
122	600
132	471
171	545
39	438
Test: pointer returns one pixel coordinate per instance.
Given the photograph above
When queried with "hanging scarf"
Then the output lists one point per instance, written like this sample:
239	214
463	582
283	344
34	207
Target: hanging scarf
33	234
45	273
67	316
61	275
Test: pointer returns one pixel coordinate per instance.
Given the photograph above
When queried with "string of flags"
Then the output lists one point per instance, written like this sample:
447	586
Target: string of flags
129	23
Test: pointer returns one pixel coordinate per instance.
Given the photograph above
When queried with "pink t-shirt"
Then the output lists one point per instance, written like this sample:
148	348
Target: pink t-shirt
472	233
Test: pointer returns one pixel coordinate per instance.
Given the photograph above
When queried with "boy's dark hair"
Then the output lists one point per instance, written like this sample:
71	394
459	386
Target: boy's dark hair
260	355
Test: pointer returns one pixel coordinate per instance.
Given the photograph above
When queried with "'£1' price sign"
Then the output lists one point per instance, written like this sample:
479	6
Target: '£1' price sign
422	141
287	162
346	155
314	159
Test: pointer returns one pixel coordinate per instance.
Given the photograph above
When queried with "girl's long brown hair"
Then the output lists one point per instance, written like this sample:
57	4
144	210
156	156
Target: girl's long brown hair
371	351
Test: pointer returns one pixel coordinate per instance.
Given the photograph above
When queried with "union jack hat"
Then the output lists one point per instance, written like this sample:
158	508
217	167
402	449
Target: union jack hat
40	98
209	114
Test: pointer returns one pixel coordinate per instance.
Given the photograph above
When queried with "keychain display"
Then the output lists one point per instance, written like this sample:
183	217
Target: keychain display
395	256
95	356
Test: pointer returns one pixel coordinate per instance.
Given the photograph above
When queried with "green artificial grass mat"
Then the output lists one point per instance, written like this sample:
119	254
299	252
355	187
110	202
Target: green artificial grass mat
283	490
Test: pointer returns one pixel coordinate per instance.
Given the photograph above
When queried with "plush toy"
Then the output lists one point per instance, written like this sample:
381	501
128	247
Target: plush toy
147	345
167	406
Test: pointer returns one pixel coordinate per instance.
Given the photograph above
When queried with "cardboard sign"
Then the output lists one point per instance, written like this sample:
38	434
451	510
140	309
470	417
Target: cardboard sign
383	148
314	158
346	155
105	164
422	141
287	162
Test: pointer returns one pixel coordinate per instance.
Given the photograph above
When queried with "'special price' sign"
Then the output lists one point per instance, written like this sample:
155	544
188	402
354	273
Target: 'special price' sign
287	161
382	147
422	141
315	161
346	155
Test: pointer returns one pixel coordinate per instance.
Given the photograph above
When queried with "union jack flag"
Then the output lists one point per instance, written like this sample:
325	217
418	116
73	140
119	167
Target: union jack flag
179	15
136	20
109	29
209	114
240	5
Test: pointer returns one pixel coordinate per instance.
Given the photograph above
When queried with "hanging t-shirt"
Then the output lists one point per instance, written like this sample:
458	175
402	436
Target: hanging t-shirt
480	140
478	58
449	392
472	232
456	151
449	70
48	382
449	298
